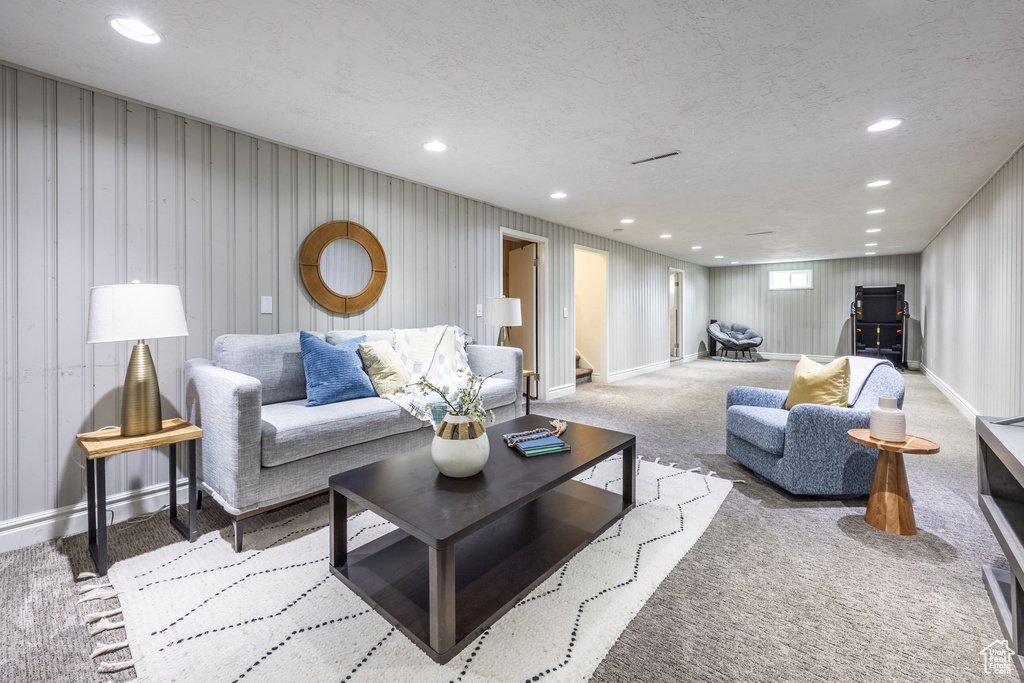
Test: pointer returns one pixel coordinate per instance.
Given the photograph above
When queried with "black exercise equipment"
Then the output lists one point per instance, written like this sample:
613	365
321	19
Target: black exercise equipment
877	329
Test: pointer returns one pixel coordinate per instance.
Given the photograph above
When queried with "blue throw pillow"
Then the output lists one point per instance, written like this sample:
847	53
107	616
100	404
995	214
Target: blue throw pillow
333	373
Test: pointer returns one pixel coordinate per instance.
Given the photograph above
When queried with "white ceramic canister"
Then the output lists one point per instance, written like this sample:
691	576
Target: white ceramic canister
888	422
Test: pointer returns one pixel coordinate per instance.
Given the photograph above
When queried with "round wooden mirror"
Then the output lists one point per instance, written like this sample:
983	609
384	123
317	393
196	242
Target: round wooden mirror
344	277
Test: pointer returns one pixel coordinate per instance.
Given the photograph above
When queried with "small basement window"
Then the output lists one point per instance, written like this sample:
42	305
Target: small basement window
791	279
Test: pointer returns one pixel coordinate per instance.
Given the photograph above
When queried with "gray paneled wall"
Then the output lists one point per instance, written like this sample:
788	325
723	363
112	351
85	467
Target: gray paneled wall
973	296
97	190
815	321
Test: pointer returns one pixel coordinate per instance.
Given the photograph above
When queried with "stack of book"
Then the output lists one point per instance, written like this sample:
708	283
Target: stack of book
531	447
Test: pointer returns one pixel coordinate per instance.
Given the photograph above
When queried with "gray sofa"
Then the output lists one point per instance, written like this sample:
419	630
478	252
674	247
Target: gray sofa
263	448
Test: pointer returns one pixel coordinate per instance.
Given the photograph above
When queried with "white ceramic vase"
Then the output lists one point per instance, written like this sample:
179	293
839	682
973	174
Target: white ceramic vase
888	422
455	451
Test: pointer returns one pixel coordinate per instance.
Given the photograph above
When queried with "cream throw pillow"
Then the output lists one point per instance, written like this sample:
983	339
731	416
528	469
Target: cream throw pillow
827	385
386	370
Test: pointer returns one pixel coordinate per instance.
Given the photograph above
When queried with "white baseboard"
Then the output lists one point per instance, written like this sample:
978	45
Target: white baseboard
72	519
642	370
564	390
965	408
911	364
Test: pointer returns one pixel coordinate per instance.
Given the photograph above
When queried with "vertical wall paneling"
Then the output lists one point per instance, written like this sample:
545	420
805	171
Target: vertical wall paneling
814	321
98	190
974	297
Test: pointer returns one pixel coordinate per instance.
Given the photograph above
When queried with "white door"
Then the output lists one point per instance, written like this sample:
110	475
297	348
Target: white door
522	285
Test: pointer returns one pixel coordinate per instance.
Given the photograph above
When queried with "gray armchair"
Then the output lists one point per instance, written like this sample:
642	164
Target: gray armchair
805	450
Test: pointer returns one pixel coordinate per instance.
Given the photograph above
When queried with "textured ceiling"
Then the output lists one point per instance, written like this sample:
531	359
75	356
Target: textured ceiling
766	101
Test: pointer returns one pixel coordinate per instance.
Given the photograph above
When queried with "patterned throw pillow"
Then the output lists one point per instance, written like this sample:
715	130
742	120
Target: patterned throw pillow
386	371
333	373
827	385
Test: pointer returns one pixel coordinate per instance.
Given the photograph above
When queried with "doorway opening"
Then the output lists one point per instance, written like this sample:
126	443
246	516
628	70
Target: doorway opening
590	284
675	314
522	277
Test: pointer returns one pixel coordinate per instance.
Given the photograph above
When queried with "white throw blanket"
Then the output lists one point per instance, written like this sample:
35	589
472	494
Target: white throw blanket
439	353
860	370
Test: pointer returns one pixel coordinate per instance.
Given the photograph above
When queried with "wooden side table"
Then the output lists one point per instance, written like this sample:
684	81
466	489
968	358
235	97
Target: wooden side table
527	374
98	446
889	506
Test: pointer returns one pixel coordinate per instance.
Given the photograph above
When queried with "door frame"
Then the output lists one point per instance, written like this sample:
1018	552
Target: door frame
543	347
682	312
606	376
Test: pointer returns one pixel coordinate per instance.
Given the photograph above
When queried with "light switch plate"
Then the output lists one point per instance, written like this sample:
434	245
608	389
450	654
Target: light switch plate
266	304
479	310
565	312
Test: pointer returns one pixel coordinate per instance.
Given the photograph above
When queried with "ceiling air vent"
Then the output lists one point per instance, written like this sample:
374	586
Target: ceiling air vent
660	156
766	232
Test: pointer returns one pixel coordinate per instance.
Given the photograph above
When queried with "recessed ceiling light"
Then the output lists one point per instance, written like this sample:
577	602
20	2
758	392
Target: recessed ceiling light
665	237
879	183
558	195
626	220
694	247
873	230
134	29
884	124
719	257
735	263
869	253
435	146
873	211
871	244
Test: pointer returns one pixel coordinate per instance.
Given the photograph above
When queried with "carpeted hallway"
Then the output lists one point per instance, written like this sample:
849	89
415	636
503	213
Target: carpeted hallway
777	589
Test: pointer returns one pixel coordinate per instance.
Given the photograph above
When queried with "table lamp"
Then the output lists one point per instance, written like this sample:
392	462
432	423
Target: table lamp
140	312
503	312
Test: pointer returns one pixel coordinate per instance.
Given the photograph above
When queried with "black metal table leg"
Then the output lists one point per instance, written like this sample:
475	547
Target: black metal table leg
189	532
528	378
96	492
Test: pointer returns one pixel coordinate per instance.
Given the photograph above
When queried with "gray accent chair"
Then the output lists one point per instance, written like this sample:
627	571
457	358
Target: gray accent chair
262	448
735	337
805	450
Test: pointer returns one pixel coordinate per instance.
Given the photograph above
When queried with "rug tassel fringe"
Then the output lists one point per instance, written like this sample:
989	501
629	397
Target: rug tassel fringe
693	469
99	595
82	590
105	625
96	616
657	459
87	575
115	667
108	648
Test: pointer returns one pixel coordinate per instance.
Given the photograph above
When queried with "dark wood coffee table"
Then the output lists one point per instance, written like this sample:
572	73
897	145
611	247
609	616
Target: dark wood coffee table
467	550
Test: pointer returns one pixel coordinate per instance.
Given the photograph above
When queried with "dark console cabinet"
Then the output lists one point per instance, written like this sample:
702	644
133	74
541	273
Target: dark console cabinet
1001	498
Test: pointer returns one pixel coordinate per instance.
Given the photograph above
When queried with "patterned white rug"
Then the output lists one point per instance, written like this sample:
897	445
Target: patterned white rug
274	612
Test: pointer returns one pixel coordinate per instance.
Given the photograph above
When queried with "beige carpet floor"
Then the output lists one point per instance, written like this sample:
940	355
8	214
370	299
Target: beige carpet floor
779	588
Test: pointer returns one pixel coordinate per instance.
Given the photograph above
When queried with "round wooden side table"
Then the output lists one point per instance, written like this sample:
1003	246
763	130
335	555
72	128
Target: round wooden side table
889	506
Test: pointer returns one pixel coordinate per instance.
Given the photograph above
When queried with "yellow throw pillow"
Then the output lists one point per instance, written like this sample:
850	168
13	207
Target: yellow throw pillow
385	368
827	385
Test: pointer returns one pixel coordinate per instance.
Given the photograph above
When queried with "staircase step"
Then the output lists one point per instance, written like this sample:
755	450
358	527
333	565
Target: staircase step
584	375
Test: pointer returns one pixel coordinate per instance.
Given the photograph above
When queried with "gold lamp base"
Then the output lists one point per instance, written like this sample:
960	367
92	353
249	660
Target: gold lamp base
140	400
503	336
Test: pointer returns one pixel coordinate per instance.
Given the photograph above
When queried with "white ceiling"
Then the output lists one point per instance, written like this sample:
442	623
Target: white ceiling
766	101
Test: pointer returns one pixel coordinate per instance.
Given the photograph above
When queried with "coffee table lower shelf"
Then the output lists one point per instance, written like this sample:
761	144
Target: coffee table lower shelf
494	568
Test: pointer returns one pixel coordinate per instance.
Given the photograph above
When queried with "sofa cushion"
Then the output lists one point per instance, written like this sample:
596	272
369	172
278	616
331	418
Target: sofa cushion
291	431
498	392
333	373
274	359
762	427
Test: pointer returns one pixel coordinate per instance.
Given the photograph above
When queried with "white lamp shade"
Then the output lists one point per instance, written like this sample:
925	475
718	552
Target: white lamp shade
136	311
503	312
